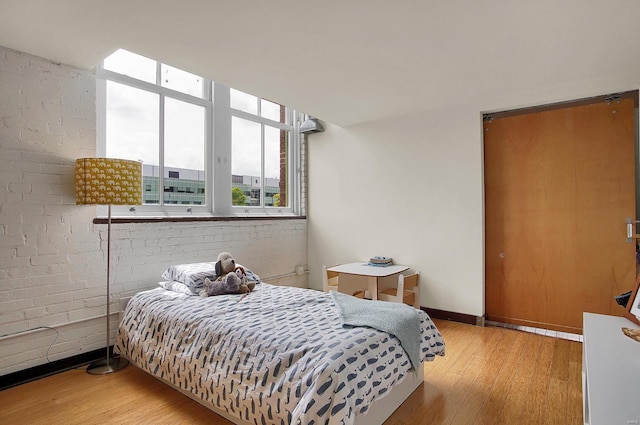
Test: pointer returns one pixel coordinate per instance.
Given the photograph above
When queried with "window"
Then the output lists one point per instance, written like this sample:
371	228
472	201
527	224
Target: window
259	142
133	65
202	144
155	128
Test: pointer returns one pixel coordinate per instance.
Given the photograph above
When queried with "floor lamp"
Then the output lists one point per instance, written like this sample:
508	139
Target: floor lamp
108	181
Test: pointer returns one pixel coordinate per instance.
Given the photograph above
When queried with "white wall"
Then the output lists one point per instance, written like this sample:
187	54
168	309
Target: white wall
406	188
412	188
52	258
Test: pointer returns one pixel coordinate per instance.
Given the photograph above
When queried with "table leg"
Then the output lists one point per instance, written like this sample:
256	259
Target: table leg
373	287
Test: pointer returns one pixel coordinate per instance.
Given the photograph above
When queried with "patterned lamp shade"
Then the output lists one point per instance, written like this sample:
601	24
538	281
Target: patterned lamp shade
108	181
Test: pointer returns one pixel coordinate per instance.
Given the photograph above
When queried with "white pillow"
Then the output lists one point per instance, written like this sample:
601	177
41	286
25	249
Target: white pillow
177	287
192	275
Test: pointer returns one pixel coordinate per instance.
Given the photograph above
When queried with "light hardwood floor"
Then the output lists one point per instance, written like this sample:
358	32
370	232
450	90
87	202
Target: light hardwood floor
489	376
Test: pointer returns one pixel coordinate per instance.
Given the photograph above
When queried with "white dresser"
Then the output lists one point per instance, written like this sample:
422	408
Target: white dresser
610	371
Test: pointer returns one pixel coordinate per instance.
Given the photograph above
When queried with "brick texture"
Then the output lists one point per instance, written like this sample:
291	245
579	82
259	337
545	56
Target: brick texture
53	258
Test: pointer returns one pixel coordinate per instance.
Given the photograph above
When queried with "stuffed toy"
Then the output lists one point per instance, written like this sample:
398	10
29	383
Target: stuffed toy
230	279
224	264
242	274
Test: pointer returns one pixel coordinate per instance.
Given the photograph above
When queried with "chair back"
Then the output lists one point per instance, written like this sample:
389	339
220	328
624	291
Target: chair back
329	280
410	281
407	291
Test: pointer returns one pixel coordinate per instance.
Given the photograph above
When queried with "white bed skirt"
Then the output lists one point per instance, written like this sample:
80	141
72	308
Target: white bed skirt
377	413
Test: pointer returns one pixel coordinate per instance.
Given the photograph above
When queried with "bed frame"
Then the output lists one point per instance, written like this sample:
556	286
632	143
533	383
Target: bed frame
378	412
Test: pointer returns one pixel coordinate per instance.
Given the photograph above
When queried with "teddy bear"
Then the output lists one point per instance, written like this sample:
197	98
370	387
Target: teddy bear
230	279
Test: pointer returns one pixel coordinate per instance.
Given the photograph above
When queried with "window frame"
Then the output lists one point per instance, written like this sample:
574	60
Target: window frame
218	147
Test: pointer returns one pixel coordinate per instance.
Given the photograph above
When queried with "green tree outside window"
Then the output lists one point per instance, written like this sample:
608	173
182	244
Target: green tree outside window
237	197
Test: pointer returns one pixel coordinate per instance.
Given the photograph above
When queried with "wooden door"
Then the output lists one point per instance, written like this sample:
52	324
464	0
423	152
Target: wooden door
559	187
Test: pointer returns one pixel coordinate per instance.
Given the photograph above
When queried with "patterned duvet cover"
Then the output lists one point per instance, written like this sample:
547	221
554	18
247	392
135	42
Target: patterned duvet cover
279	355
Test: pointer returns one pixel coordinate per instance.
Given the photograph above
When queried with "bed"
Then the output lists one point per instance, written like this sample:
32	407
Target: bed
278	355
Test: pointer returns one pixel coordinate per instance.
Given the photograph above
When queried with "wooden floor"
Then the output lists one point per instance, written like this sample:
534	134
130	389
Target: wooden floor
489	376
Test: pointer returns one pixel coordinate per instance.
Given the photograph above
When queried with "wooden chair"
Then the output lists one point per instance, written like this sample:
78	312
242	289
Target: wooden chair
408	291
329	280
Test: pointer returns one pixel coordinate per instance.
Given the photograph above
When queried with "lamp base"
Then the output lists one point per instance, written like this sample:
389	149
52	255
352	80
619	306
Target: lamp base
102	367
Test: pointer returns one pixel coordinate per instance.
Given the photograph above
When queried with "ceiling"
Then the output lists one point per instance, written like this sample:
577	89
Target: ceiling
346	61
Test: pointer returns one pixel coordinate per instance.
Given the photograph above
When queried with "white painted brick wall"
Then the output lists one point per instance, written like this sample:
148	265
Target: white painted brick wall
53	258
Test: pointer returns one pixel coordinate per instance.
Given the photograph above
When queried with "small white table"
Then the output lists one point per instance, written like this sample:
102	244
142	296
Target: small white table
364	270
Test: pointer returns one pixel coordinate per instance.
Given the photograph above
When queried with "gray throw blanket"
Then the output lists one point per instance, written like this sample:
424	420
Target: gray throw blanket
400	320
